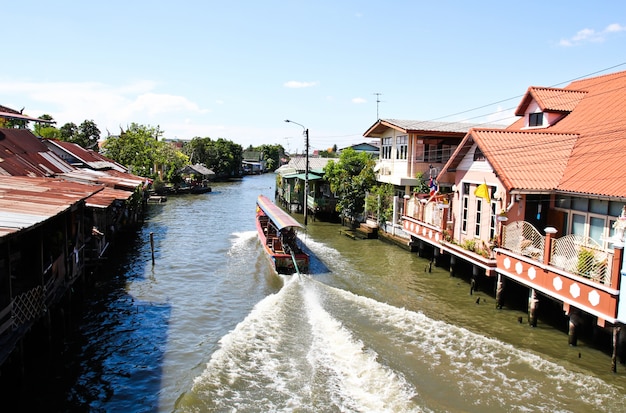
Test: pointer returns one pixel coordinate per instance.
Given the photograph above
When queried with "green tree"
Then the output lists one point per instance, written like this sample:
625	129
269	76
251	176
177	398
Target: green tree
379	202
68	131
222	156
88	135
271	155
136	148
351	178
46	130
170	160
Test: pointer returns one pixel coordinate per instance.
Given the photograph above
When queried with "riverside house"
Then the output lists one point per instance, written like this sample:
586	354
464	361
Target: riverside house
539	204
57	221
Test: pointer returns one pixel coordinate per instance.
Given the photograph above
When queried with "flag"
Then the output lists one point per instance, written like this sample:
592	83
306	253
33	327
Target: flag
482	191
432	186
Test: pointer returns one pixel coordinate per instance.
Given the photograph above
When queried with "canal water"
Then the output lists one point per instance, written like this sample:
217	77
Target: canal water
209	328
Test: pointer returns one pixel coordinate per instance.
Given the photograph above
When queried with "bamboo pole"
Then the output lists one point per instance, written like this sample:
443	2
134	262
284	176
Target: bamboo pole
152	246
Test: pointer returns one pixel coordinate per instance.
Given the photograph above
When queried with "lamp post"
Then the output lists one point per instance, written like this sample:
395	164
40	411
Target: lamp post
306	168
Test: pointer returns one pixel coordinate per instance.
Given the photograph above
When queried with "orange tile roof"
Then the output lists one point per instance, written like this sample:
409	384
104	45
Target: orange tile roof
551	99
580	154
526	160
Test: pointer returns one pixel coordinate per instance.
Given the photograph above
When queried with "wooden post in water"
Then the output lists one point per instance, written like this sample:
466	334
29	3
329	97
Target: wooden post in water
616	331
533	305
152	246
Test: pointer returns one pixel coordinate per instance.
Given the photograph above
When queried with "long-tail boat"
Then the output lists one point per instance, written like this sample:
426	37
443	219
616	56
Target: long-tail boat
278	235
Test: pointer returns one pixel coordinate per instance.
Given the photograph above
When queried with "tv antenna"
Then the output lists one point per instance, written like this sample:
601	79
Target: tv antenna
377	102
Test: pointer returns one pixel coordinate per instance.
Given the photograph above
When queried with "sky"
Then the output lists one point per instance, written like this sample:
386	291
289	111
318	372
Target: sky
236	70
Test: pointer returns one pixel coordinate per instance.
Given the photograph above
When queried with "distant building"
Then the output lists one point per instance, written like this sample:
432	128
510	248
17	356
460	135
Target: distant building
373	148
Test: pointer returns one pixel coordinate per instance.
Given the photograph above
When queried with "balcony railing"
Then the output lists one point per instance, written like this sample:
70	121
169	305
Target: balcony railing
581	256
431	213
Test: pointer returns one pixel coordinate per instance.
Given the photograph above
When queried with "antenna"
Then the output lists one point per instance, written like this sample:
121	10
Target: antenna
377	102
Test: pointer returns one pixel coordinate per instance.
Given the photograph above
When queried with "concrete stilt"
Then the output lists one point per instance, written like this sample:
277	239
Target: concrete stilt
572	334
452	265
499	292
533	305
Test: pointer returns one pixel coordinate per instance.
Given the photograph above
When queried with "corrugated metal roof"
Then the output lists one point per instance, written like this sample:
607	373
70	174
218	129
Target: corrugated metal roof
87	157
458	129
299	163
106	197
26	201
110	178
23	154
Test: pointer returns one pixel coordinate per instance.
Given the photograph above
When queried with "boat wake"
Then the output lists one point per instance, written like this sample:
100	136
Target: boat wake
314	348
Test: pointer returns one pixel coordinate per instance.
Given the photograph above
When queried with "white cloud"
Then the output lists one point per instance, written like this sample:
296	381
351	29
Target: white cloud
295	84
590	35
110	107
358	100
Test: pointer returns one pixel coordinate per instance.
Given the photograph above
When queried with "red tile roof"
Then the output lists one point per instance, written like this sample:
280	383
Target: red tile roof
529	160
580	153
551	99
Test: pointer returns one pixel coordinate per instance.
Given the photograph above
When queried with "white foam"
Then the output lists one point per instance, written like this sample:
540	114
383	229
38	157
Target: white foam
357	380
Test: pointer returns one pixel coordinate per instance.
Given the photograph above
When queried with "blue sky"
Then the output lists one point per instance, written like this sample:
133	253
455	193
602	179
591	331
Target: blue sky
236	70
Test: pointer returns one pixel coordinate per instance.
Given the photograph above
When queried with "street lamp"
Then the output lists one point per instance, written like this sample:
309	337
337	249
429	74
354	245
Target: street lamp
306	168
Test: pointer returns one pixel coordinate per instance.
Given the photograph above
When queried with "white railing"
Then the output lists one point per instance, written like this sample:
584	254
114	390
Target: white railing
574	254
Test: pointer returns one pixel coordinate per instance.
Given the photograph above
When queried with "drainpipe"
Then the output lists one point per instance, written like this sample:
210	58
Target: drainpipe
508	208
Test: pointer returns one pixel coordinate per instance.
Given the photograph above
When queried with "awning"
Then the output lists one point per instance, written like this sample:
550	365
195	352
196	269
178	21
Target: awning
198	169
279	217
312	177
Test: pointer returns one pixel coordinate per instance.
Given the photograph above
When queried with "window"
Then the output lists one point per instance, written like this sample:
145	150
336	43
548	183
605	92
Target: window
464	214
402	146
446	152
386	149
493	221
478	154
535	119
479	211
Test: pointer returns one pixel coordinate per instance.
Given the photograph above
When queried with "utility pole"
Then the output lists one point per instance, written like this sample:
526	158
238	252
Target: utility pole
377	102
306	173
306	168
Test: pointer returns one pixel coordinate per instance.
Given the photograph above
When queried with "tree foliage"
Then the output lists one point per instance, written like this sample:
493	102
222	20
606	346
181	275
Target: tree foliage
351	178
136	148
379	201
46	130
271	155
222	156
87	135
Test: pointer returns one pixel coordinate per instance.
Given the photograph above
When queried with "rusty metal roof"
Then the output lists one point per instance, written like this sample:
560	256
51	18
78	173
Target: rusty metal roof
84	157
110	178
106	197
23	154
28	201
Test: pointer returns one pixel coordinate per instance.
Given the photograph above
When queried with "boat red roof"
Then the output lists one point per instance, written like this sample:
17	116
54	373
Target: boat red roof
279	217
